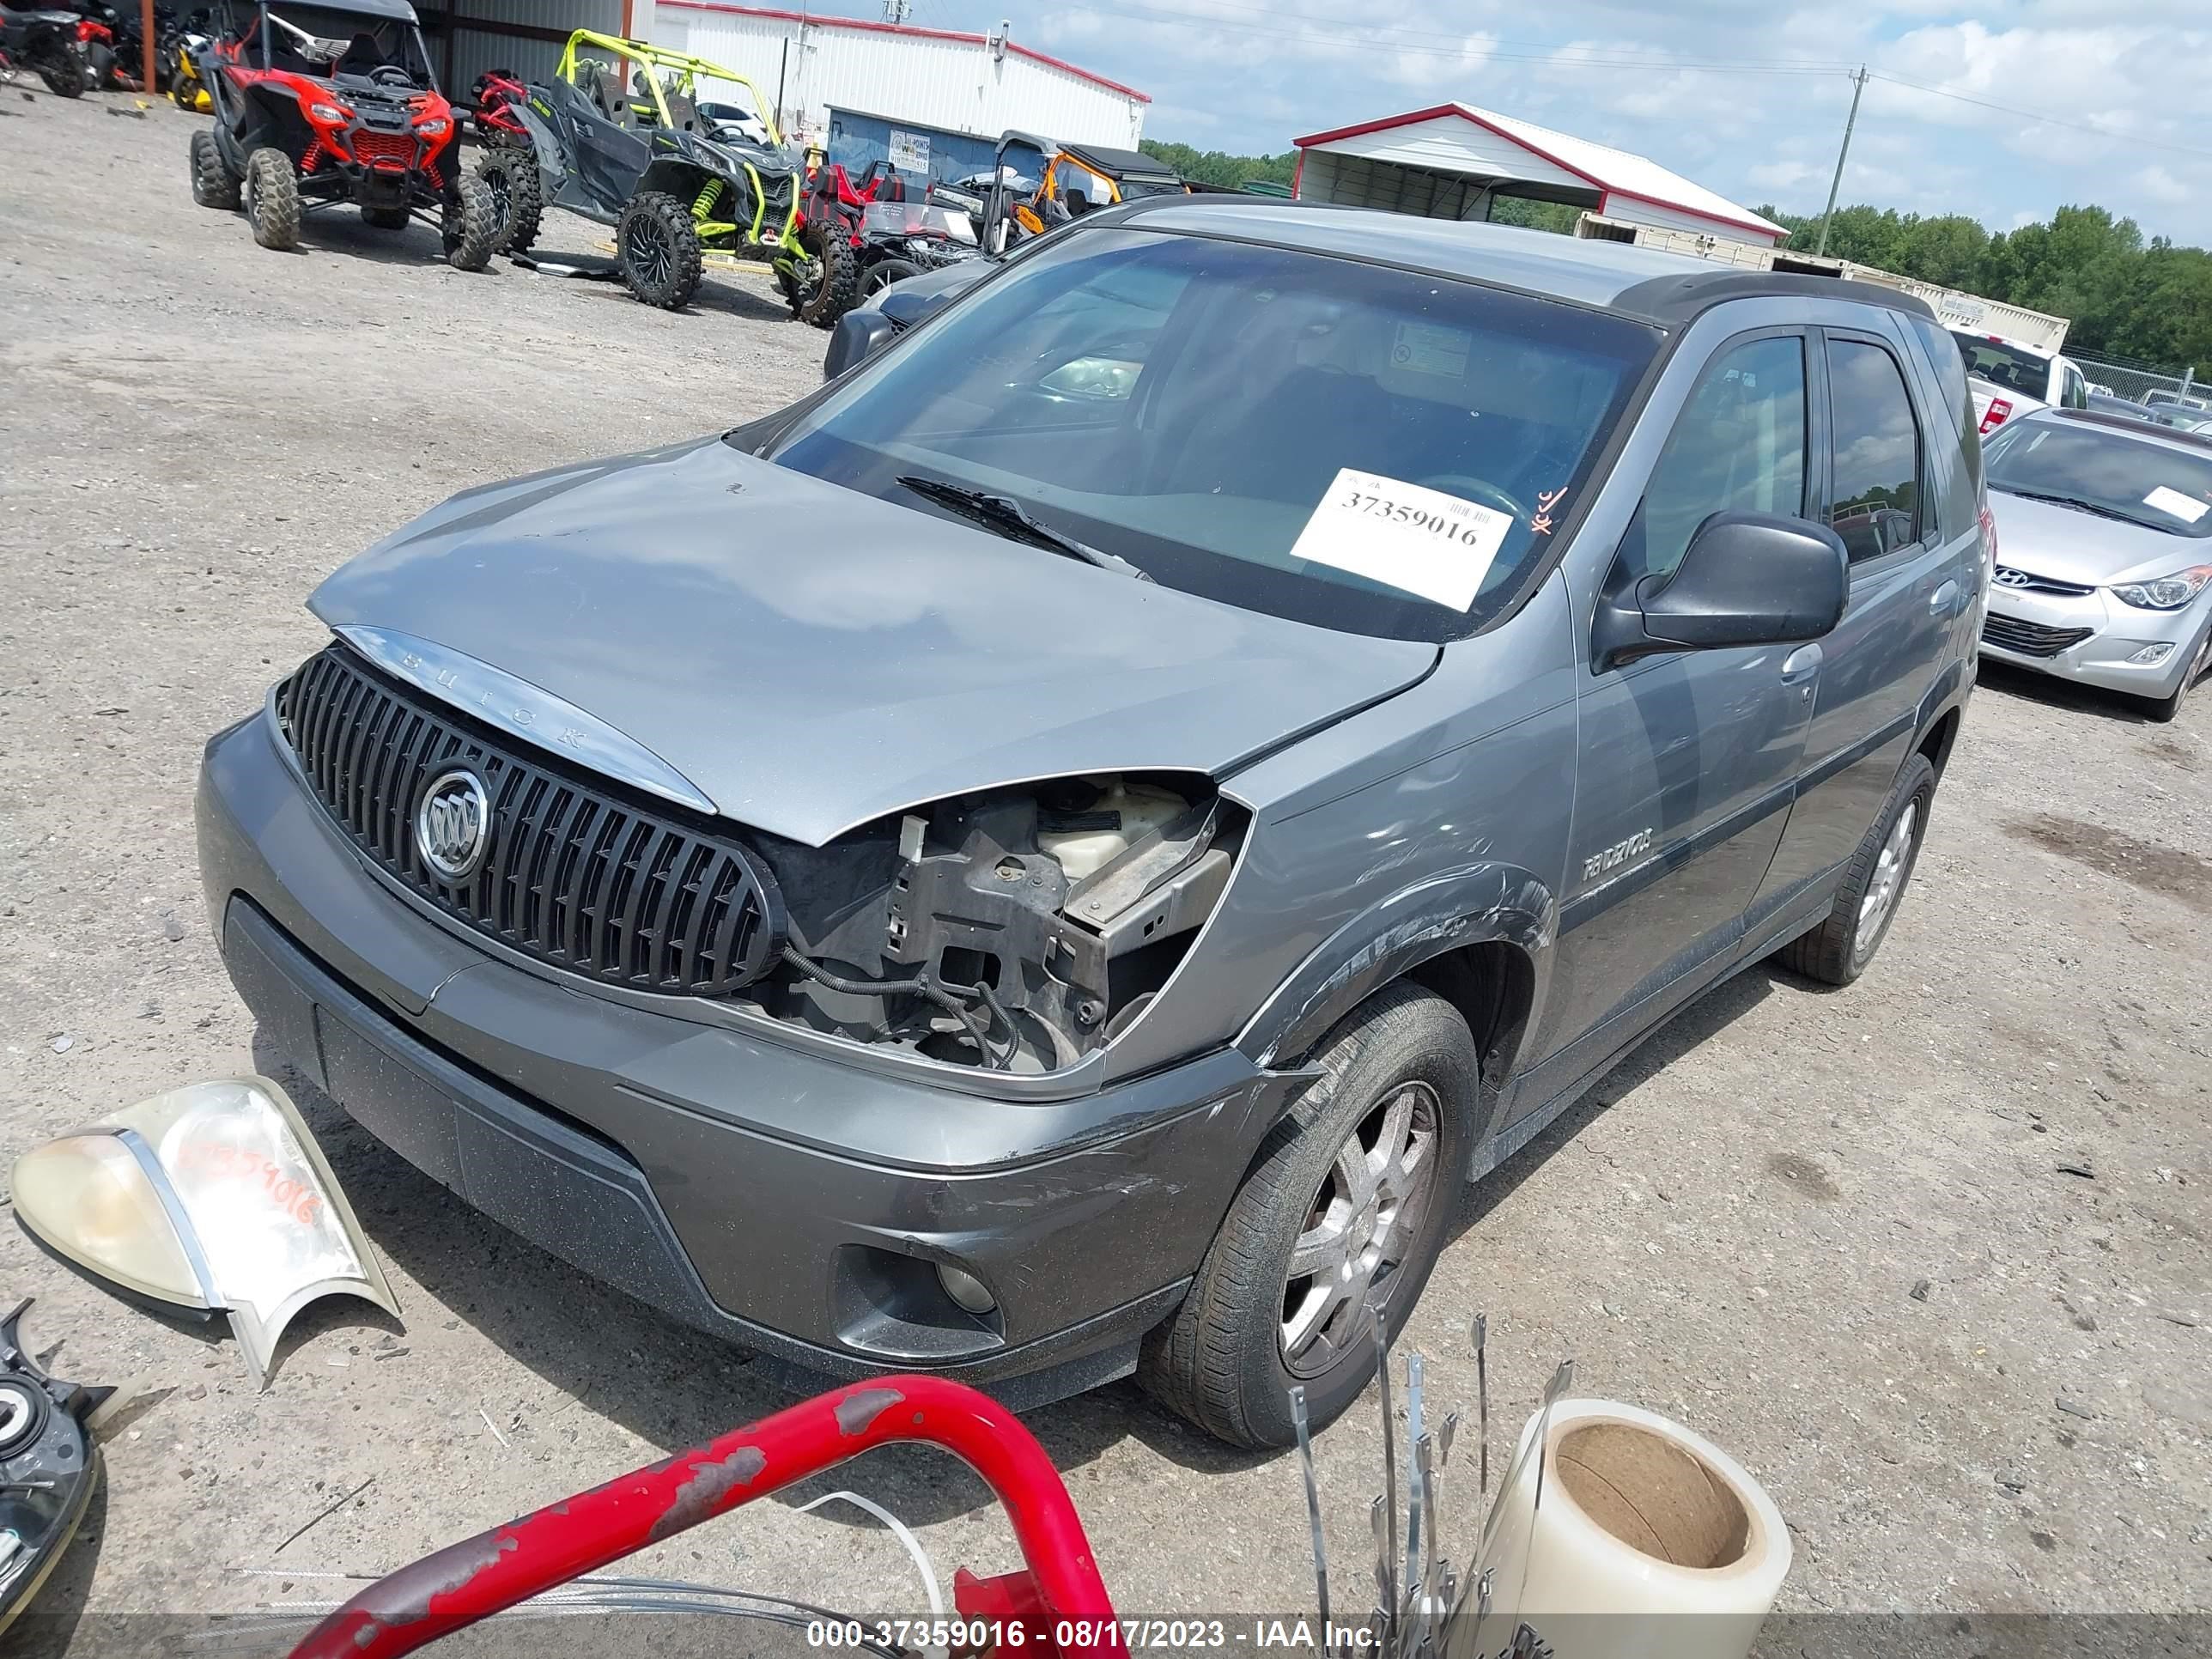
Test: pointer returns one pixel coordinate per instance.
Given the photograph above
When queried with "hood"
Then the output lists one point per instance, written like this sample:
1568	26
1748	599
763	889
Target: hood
809	659
2049	540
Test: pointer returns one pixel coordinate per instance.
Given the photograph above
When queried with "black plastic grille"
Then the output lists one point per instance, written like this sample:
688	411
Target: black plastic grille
2029	639
574	875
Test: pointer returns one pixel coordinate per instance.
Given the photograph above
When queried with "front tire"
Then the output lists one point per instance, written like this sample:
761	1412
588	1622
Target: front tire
273	199
881	274
835	287
1344	1211
472	225
2164	710
509	172
659	247
1838	950
212	185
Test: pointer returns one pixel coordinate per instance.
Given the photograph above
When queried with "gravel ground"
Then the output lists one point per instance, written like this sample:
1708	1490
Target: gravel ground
1835	1233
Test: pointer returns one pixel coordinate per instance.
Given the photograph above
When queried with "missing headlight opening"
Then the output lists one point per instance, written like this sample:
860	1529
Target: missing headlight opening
1017	930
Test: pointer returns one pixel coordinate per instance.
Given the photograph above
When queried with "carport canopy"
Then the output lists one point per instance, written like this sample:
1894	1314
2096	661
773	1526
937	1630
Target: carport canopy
1449	162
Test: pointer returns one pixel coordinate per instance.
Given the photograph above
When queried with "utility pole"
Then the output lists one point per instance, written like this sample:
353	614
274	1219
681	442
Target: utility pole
1858	86
897	11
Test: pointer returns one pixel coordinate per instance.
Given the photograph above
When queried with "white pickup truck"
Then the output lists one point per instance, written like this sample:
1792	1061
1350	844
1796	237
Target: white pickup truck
2010	377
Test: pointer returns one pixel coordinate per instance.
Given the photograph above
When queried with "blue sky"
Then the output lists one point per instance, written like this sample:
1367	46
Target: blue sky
2126	76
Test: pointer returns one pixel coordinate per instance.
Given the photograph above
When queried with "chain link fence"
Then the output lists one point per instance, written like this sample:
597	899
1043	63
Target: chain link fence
2136	380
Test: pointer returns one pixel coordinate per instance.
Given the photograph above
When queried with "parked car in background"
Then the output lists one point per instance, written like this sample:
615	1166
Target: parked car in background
2161	397
2012	377
1273	705
2105	553
2105	402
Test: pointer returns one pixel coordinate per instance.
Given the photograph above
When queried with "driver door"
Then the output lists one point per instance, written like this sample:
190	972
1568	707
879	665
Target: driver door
1688	759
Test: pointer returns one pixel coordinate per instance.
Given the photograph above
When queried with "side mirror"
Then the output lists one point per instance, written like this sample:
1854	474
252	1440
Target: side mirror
1747	579
858	336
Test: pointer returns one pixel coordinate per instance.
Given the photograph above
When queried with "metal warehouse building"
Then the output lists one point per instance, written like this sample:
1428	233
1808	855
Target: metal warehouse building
896	89
1448	162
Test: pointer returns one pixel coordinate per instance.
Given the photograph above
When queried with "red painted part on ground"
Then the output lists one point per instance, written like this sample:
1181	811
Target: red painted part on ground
471	1581
818	21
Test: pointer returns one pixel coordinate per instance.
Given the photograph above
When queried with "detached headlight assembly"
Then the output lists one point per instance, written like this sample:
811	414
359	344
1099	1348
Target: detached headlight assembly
2165	592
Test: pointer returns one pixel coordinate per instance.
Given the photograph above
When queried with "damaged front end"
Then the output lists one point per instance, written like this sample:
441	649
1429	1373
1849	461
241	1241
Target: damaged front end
1017	930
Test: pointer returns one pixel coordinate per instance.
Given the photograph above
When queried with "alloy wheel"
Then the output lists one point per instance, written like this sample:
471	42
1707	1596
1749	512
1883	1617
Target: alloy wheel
1358	1228
1888	880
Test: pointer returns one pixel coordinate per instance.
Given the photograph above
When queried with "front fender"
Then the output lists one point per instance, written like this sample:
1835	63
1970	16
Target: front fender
544	145
1475	904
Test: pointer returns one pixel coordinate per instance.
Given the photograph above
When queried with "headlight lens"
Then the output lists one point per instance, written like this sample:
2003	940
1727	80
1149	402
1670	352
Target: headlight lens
433	128
2166	593
328	113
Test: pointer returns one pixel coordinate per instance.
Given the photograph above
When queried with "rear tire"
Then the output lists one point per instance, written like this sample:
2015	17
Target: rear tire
1838	950
881	274
838	289
509	172
212	185
1226	1360
659	247
64	74
472	225
386	218
273	199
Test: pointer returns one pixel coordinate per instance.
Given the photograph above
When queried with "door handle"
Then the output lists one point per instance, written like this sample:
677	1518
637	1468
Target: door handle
1801	665
1944	600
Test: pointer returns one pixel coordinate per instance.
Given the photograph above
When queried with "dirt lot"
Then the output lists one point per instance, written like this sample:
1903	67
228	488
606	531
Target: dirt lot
1837	1234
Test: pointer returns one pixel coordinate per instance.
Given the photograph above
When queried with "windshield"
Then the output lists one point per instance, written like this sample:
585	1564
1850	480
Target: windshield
1199	408
328	43
325	41
2005	366
2140	479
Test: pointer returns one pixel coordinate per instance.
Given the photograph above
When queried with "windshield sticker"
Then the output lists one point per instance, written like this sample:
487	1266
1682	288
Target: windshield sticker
2180	506
1431	349
1421	541
1546	500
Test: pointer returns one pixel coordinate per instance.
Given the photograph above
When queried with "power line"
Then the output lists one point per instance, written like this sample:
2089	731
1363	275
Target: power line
2039	117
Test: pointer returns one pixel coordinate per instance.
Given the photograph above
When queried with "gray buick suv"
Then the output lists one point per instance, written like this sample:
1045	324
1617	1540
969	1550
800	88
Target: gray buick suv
1061	853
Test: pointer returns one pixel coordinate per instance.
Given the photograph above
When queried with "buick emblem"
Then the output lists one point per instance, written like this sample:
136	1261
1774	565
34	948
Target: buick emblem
453	825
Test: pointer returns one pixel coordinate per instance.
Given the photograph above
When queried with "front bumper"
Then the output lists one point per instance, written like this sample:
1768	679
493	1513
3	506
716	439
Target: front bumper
2090	638
793	1205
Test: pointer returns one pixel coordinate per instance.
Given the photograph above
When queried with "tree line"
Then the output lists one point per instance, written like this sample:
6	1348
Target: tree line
2126	295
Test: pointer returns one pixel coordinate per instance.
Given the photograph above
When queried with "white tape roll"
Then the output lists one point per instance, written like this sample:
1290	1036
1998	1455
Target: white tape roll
1651	1543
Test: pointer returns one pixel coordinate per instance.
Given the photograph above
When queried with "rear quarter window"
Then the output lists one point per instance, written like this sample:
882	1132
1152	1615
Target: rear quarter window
1958	480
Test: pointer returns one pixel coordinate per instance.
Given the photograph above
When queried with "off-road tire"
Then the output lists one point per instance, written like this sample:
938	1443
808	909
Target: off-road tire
1831	953
212	185
1218	1362
509	171
470	230
63	74
386	218
881	274
839	291
662	214
273	199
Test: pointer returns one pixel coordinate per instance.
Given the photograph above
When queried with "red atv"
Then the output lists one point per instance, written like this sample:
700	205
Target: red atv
329	103
496	93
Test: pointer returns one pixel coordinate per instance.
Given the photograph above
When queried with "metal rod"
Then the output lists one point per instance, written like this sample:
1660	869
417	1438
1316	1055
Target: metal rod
1313	1500
1415	1376
1389	1458
1425	1468
1482	1395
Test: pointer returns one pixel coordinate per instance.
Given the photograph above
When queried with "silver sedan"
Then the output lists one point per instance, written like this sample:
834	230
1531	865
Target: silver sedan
2103	560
